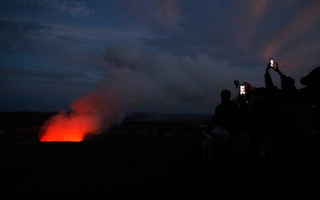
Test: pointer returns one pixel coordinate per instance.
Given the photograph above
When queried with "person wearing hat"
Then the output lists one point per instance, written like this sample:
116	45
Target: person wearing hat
312	93
312	89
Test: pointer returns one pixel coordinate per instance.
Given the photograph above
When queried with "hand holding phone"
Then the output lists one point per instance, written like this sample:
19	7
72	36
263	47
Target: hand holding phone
271	63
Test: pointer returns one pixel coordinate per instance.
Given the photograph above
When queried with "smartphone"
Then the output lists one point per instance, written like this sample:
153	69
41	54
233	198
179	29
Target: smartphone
271	62
242	90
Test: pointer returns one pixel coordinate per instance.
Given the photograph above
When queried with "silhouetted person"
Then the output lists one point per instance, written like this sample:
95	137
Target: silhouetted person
226	113
251	104
293	117
312	94
288	95
312	83
215	142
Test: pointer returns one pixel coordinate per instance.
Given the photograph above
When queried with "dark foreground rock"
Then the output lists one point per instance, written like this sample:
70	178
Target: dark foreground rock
145	160
142	167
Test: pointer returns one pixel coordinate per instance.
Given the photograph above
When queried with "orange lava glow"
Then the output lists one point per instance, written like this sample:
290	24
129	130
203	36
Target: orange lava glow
68	127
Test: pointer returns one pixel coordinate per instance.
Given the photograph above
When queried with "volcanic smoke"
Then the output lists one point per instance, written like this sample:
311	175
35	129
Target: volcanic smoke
138	79
92	113
73	127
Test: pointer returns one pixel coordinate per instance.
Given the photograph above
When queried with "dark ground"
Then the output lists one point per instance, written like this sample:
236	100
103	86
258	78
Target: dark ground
136	165
119	168
126	164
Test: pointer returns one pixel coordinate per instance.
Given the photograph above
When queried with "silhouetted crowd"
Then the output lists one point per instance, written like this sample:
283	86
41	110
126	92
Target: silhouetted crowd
269	131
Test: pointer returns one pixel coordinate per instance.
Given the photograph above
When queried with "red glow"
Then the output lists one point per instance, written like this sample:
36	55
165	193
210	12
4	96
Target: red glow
69	128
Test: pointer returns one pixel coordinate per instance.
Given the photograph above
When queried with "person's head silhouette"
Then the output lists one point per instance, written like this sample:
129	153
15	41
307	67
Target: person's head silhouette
225	95
312	79
312	83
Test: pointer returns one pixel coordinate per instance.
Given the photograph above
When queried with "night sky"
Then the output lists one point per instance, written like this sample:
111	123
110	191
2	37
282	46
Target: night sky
155	55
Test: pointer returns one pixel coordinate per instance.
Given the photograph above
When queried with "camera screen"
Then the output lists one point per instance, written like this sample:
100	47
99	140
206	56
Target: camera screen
242	90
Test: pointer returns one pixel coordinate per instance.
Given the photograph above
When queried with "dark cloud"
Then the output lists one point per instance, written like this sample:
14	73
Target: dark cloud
6	47
12	26
25	89
71	7
48	41
25	94
61	77
244	34
18	35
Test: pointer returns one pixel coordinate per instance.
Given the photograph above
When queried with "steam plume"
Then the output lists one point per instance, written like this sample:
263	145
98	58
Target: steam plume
138	79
